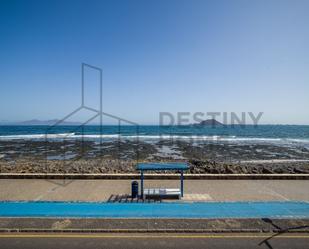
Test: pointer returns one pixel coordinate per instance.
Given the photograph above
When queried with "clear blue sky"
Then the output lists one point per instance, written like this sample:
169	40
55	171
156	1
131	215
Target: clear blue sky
157	56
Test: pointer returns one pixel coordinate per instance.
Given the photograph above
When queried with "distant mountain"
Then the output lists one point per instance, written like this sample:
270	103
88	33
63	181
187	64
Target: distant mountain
209	122
41	122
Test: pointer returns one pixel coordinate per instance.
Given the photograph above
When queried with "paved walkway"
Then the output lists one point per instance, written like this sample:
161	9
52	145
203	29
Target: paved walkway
195	190
156	210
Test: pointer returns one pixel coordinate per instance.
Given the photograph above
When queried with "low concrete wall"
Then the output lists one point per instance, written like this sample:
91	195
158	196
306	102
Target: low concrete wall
157	176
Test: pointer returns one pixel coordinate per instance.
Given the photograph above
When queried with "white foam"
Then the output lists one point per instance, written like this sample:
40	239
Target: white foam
37	136
195	138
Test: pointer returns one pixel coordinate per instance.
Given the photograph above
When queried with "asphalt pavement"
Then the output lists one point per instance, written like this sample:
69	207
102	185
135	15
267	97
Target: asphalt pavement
149	241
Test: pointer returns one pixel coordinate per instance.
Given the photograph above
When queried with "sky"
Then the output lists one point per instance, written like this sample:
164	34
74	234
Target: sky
156	56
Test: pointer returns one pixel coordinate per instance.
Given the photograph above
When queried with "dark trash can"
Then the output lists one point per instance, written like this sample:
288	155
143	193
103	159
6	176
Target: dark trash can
134	189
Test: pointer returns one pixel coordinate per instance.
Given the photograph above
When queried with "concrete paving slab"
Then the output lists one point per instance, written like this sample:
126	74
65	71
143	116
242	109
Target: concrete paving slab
102	190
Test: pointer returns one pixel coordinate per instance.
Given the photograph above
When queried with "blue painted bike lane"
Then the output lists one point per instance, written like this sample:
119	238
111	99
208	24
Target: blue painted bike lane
156	210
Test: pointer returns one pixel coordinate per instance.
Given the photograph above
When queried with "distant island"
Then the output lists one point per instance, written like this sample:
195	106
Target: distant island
209	122
40	122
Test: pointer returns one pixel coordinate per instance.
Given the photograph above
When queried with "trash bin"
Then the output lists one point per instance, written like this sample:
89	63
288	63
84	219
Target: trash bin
134	189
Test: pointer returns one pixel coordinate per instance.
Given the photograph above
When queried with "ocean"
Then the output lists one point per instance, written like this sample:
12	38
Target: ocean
294	135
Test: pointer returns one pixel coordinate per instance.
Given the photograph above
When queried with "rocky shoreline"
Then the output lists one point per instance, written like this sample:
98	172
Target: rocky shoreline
122	156
128	166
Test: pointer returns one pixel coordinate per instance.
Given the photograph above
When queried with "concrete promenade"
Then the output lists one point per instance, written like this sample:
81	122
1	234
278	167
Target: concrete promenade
118	190
195	190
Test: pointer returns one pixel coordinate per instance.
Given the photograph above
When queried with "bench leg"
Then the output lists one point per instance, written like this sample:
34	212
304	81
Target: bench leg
142	185
181	183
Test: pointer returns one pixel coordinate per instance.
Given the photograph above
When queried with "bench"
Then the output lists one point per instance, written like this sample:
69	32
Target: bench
162	193
175	166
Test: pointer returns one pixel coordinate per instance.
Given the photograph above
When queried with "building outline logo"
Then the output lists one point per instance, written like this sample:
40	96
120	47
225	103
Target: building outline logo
97	113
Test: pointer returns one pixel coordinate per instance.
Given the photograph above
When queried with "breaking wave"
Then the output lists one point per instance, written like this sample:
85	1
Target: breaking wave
194	138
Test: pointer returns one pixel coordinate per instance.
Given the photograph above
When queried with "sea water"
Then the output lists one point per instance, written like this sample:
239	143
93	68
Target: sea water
274	134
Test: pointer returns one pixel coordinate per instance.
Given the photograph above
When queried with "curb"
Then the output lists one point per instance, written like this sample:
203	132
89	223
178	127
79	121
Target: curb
29	230
129	230
156	176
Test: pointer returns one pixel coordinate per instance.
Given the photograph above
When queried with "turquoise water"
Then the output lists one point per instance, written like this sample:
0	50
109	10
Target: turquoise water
262	133
156	210
249	131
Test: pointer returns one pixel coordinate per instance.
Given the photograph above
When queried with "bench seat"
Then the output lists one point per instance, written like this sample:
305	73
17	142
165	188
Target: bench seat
162	192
